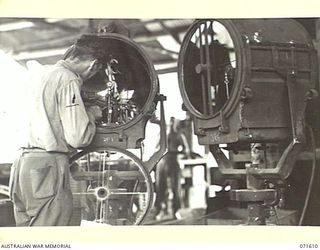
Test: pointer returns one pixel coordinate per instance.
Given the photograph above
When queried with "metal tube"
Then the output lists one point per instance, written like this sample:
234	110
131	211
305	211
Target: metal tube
208	67
203	84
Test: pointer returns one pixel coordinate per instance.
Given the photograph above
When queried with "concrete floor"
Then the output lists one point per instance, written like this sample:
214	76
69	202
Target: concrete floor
185	216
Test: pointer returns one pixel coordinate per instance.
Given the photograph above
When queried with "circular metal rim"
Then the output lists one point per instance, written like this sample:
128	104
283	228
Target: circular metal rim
136	160
153	79
230	104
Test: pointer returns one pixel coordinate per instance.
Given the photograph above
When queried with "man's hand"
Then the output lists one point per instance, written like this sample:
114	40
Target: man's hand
95	111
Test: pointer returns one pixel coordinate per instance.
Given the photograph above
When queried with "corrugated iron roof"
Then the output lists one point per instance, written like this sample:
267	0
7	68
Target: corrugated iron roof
32	38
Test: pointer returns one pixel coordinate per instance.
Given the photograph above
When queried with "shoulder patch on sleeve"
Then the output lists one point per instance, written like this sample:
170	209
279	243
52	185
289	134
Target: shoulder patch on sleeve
73	102
73	99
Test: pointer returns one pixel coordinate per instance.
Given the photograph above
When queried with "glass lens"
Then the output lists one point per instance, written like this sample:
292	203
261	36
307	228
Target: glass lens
115	189
209	66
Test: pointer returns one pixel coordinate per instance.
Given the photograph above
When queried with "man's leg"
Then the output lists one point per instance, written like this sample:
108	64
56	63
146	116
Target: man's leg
175	185
19	209
45	187
21	217
161	183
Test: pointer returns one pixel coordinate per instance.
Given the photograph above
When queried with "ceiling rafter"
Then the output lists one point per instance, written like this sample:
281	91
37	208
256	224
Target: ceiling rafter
43	22
161	40
162	51
174	35
47	43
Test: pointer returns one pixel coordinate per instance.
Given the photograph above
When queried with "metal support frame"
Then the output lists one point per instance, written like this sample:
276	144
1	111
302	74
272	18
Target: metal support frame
255	195
156	157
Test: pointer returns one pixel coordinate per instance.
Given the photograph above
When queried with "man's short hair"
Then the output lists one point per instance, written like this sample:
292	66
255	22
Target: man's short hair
78	52
85	48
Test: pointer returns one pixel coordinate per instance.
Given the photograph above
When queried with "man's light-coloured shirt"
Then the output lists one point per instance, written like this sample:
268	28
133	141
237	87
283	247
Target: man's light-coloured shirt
59	121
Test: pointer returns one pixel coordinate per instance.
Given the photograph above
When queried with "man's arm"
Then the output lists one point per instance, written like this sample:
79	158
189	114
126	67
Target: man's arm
78	123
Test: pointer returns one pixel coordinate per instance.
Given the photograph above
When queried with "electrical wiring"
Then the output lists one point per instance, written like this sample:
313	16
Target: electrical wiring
314	157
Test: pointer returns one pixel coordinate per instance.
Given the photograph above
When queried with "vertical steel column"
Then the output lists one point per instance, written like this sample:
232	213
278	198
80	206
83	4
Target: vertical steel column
203	84
208	68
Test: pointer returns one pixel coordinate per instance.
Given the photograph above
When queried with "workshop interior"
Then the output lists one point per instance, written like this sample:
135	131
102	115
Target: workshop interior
205	121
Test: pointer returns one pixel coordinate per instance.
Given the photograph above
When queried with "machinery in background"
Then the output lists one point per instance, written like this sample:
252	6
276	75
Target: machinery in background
111	184
6	206
251	86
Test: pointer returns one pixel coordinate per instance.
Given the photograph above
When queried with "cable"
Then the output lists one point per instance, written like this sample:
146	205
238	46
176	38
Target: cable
275	215
306	203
